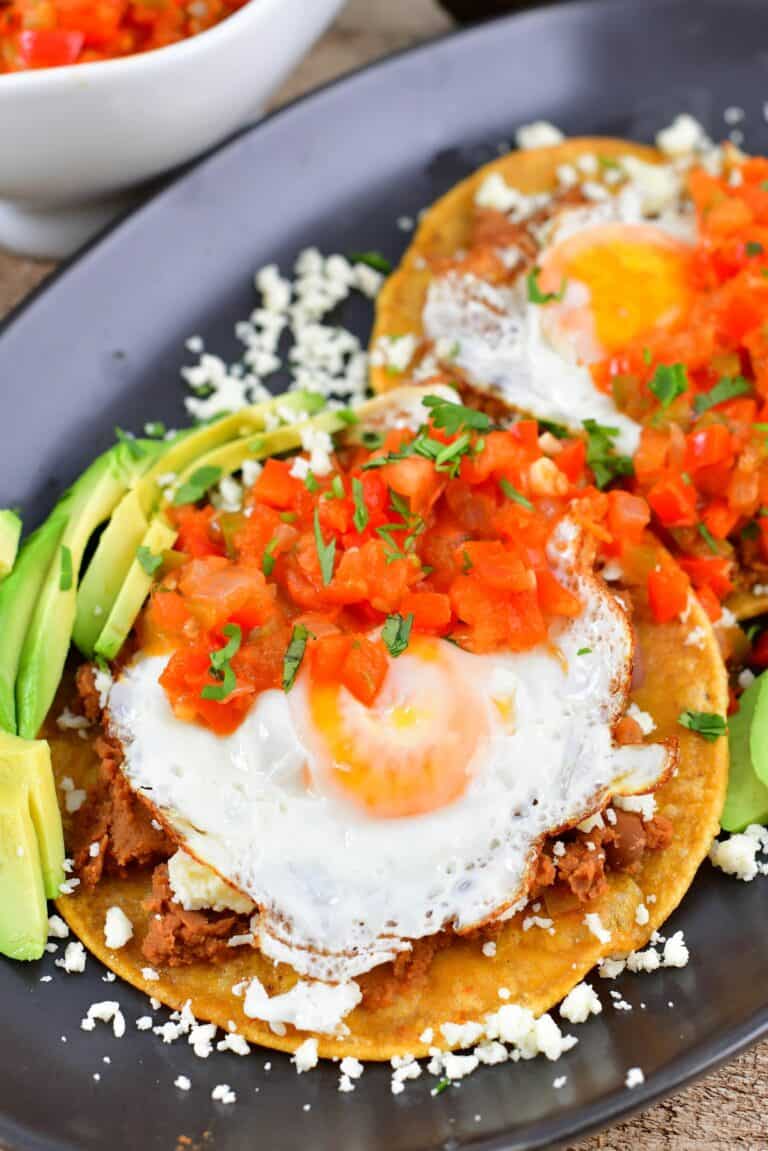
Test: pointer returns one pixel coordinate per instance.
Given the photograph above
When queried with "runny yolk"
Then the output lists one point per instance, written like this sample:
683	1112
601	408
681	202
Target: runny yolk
623	280
410	752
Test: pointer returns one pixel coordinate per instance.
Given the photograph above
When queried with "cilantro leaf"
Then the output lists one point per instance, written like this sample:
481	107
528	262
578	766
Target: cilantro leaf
559	431
360	516
148	561
374	260
396	633
135	448
219	691
442	1086
602	457
268	560
708	724
453	417
753	248
725	389
221	669
511	492
197	485
584	651
535	294
708	538
668	382
326	553
155	429
294	654
219	658
66	577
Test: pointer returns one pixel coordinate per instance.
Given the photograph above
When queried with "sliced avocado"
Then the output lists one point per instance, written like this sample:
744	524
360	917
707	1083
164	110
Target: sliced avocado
18	595
117	546
158	538
102	581
30	761
93	498
758	735
23	912
10	534
746	800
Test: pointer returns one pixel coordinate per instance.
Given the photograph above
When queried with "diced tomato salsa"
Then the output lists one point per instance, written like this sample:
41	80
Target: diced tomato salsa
316	570
702	463
51	33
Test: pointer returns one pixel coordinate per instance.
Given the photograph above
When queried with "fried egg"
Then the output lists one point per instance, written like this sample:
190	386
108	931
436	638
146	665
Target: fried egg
611	277
355	829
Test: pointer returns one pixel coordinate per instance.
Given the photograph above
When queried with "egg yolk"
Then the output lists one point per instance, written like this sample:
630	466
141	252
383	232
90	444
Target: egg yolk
411	751
621	281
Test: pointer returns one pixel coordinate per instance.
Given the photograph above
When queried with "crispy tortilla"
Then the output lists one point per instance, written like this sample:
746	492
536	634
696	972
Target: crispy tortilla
462	983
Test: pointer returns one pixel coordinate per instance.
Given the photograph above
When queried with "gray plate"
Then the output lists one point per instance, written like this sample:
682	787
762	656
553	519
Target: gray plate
102	345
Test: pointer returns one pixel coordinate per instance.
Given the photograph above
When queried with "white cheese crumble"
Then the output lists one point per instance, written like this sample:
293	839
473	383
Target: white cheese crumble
581	1002
118	928
196	886
737	855
489	949
394	352
539	134
308	1006
595	924
634	1077
305	1057
745	678
223	1093
149	974
57	928
74	958
144	1023
682	137
108	1011
642	915
644	721
69	721
102	681
182	1082
642	805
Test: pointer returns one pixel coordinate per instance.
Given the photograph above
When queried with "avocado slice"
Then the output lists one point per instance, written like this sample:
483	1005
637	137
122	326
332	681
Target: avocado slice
119	541
92	499
101	584
746	800
19	593
158	538
31	846
758	735
10	534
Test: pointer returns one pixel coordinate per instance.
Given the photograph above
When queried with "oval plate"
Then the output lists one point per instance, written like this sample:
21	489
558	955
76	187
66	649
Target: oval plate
102	345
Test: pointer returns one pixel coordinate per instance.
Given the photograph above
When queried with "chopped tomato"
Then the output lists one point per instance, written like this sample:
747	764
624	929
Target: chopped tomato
275	486
197	531
709	571
48	47
628	517
674	502
667	591
431	610
554	599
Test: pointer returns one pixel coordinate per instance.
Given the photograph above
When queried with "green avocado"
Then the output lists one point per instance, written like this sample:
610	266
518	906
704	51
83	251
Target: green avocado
19	593
758	735
746	800
158	538
92	499
31	846
120	540
10	534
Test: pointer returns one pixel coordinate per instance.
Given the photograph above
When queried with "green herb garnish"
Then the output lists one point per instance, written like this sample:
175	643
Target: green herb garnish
708	538
155	429
148	561
360	516
326	553
221	668
197	485
753	248
218	692
535	294
708	724
134	446
310	483
602	456
559	431
442	1086
294	654
374	260
584	651
726	389
668	382
454	417
511	492
396	633
268	560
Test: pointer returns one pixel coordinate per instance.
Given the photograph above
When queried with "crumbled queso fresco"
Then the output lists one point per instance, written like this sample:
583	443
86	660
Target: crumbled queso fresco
290	329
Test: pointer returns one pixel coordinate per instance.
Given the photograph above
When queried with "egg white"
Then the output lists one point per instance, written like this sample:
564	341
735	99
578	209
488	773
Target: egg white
339	891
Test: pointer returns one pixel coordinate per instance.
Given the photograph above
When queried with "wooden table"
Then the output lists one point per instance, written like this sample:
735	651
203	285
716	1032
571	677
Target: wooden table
726	1110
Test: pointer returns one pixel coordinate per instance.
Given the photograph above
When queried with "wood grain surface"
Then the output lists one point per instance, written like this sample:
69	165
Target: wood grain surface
728	1109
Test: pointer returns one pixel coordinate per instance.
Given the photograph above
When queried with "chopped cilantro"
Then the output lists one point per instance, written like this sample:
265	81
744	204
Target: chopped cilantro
221	668
135	448
442	1086
511	492
347	416
360	516
466	561
219	691
647	356
148	561
753	248
374	260
396	633
602	457
310	483
66	577
584	651
155	429
668	382
268	560
288	517
336	490
326	553
294	654
234	635
453	417
535	294
197	485
559	431
725	389
708	724
708	538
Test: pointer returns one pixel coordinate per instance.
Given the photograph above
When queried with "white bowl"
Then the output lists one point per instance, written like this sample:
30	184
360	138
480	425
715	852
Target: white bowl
77	142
